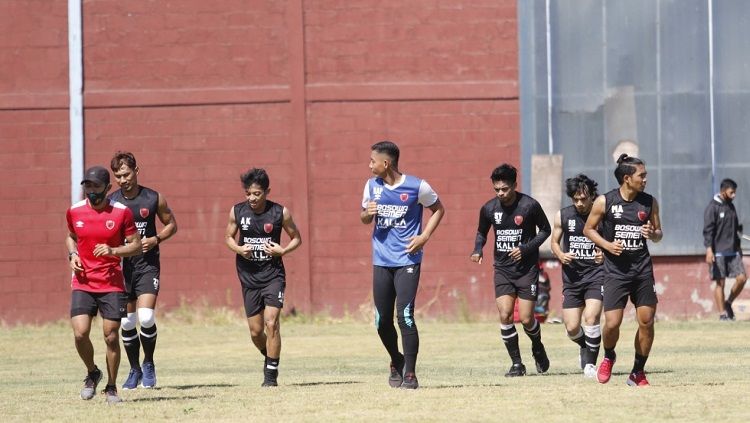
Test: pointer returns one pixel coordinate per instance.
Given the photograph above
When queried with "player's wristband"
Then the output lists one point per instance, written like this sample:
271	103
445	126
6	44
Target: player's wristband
158	239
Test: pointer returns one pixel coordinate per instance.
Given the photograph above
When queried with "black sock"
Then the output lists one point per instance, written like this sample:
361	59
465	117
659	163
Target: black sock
272	366
510	339
579	338
264	352
535	334
148	339
132	347
639	363
610	353
592	348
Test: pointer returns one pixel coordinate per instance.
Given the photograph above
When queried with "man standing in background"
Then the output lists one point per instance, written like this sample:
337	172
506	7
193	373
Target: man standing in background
721	238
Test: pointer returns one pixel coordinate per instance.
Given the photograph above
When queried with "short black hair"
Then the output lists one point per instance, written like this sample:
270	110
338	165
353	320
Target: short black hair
504	172
727	183
388	148
626	166
122	158
255	176
580	183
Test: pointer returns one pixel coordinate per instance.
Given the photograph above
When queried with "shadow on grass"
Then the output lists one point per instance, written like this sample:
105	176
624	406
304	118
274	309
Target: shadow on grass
573	373
198	386
342	382
159	399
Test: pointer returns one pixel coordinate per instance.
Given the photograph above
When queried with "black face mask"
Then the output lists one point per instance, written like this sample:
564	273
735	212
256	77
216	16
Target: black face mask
96	198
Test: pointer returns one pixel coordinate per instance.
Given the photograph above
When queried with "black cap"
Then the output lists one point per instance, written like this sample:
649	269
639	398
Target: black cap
96	174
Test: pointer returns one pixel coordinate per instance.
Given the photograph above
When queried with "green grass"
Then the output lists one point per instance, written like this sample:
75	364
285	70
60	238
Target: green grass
337	371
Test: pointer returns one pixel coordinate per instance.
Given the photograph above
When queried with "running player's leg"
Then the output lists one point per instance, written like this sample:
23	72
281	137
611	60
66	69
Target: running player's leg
406	282
128	326
147	320
526	287
81	325
384	296
273	344
112	308
505	302
644	298
592	330
572	321
82	310
254	312
736	269
257	333
739	285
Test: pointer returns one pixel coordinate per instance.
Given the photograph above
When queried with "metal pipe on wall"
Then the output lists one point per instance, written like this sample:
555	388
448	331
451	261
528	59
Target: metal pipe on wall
711	91
75	75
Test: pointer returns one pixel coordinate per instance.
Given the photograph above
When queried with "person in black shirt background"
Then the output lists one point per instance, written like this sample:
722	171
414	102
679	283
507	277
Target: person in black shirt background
721	238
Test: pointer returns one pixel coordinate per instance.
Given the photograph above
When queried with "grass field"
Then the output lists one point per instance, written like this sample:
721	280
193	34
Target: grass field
337	371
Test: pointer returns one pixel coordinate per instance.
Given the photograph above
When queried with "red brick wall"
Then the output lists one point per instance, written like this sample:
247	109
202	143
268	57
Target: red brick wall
34	160
203	91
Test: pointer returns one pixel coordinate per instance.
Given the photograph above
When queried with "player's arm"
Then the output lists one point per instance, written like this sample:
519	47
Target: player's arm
132	247
652	229
369	207
544	231
481	238
71	243
290	228
709	231
417	242
592	223
166	217
230	236
557	232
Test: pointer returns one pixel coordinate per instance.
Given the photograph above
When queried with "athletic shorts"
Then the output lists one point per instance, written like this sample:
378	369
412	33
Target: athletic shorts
726	267
141	281
640	290
524	287
111	305
257	299
575	295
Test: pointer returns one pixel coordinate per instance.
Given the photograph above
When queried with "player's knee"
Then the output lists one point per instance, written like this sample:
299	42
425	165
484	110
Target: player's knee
111	339
271	325
81	336
740	280
590	319
146	317
528	321
128	323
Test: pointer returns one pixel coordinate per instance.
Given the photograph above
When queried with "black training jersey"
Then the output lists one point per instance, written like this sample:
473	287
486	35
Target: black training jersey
721	226
583	268
514	226
257	230
144	207
622	222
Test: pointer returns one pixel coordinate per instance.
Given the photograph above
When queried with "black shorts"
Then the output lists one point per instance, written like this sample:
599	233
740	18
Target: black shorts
726	267
575	295
640	290
111	305
524	287
141	281
271	295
